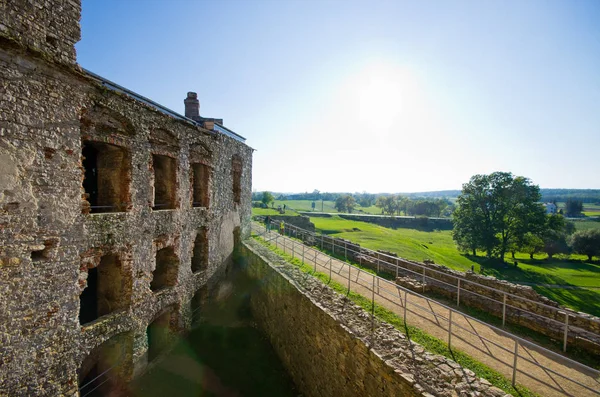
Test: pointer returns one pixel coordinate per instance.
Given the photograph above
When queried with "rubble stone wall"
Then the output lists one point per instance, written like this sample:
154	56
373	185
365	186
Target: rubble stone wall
584	329
331	347
49	240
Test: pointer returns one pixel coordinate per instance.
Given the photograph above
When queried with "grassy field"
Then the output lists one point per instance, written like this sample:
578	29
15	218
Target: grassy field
327	206
579	276
270	211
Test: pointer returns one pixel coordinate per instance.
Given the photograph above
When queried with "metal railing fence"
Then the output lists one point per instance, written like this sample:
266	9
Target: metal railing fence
376	284
461	287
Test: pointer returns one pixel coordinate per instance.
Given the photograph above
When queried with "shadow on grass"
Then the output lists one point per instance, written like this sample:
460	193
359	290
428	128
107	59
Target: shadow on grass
578	298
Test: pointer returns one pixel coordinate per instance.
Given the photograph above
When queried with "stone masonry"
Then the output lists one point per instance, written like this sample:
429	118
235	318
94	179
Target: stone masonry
482	292
331	347
113	211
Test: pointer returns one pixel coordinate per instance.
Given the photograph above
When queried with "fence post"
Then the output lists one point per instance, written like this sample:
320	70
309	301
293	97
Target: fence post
450	329
349	277
458	294
423	279
405	304
345	250
397	267
566	331
514	376
303	253
373	308
504	310
378	260
329	269
321	241
315	261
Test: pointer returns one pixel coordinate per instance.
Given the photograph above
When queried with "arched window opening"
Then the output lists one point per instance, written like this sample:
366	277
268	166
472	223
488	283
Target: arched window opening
161	333
107	369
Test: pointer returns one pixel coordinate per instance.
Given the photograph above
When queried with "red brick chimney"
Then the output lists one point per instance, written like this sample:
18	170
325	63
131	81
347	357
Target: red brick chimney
192	106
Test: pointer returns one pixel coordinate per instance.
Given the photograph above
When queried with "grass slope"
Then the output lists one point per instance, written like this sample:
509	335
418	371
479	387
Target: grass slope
579	276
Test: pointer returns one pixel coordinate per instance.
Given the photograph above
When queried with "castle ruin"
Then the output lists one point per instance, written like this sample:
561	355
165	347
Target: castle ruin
115	212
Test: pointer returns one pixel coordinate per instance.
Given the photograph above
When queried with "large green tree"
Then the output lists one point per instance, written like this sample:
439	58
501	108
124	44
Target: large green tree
387	204
267	198
496	211
345	203
586	242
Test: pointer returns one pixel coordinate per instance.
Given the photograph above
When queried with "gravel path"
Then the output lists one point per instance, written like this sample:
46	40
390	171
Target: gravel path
432	318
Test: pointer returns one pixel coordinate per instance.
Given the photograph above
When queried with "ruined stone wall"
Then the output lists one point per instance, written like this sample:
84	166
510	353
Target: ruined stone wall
49	28
398	222
584	329
49	240
332	347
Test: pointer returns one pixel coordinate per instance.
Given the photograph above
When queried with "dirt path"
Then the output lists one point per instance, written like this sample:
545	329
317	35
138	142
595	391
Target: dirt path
433	319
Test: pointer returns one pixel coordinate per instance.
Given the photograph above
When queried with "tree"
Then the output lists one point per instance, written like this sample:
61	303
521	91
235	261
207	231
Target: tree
267	198
573	207
387	204
586	242
532	244
496	211
345	203
555	242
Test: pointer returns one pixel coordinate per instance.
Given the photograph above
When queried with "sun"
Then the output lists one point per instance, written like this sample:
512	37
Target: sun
383	92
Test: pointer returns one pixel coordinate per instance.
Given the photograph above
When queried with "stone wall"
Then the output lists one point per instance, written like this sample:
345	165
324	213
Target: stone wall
51	239
332	347
584	329
302	222
399	222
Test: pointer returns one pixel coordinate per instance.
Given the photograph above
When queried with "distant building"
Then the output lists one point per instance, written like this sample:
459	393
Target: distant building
550	208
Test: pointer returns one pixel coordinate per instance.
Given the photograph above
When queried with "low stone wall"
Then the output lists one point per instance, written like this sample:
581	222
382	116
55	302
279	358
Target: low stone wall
584	329
332	347
398	222
301	221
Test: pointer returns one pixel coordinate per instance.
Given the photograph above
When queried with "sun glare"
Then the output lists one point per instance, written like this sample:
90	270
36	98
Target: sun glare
383	92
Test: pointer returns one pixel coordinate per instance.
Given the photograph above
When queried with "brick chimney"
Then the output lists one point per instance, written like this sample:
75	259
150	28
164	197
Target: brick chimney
192	106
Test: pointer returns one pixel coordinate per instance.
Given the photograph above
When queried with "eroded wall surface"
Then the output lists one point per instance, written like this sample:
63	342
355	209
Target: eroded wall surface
51	238
331	347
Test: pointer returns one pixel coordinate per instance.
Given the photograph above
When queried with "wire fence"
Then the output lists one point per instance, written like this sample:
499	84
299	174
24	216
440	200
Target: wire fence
555	320
408	301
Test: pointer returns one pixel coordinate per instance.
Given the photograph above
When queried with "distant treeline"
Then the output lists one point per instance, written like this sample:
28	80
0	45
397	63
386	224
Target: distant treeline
548	195
584	195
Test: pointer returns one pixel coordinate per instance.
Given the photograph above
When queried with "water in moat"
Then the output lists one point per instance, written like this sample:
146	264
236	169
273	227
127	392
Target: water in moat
225	354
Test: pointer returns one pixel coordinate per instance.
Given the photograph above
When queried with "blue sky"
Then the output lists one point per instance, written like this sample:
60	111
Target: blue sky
378	96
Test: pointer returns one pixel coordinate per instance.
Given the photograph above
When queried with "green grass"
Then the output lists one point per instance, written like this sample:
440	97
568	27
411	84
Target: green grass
270	211
586	224
429	343
438	246
327	206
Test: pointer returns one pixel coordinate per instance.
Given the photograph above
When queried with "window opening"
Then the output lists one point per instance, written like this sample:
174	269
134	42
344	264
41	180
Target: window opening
200	185
164	182
105	291
165	274
159	335
237	179
200	255
106	177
